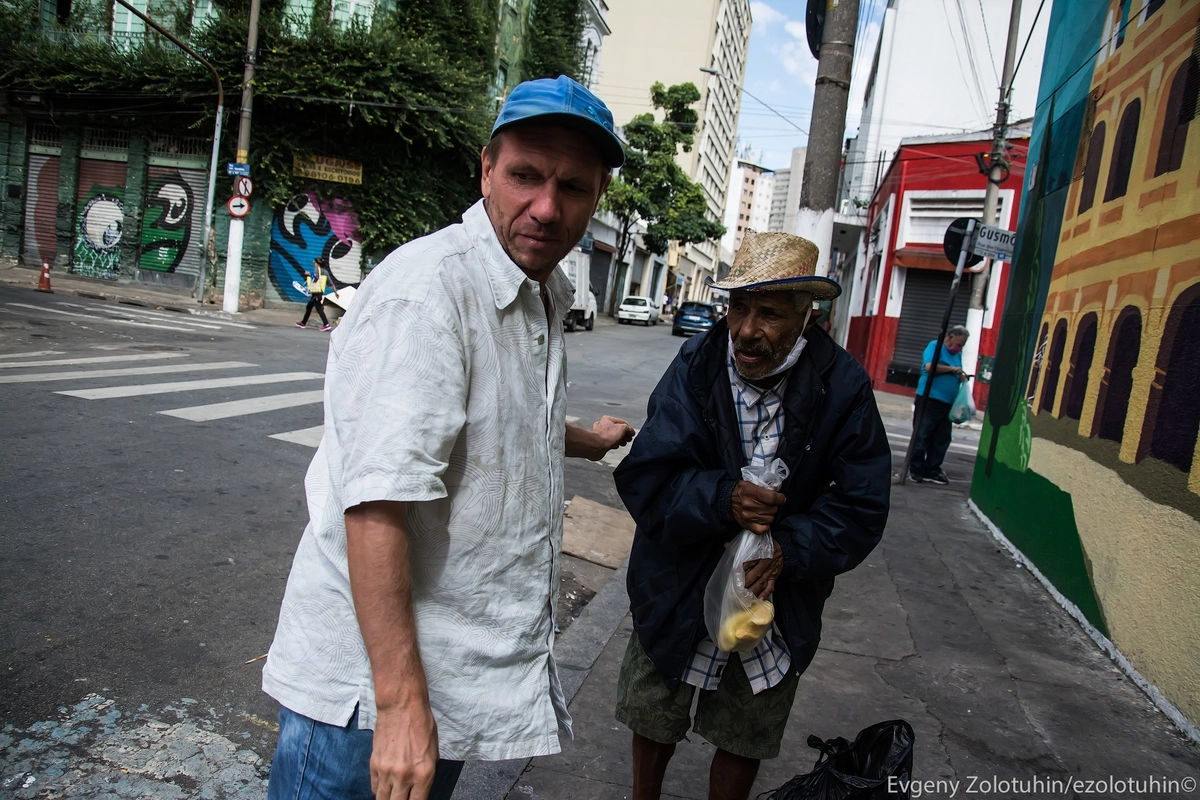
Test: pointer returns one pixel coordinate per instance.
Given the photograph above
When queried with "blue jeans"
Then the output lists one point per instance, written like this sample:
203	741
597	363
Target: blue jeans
316	761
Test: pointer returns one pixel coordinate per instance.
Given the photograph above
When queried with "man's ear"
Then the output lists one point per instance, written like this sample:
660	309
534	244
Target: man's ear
604	184
485	172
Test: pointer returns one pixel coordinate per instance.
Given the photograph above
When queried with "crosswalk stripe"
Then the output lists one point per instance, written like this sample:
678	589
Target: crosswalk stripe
34	354
958	447
64	362
163	316
75	375
253	405
104	319
309	437
189	386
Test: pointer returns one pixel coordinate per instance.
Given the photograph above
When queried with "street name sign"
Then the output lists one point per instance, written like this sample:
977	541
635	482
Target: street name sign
994	243
245	187
238	206
234	168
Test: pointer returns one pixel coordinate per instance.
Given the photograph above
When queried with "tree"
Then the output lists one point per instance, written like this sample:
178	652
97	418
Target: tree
652	188
554	40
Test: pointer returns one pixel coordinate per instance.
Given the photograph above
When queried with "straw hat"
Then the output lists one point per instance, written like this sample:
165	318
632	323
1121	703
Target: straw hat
774	261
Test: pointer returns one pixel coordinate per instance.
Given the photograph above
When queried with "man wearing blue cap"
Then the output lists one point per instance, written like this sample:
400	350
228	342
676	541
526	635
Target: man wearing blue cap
417	625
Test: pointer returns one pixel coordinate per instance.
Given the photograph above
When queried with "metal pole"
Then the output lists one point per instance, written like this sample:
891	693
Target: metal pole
996	174
823	162
233	260
212	170
937	349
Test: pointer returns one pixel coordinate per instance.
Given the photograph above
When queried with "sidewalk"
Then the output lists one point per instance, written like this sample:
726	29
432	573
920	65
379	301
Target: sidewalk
136	294
940	626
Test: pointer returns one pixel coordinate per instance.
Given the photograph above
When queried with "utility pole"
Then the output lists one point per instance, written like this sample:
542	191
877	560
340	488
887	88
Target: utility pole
997	172
823	162
233	259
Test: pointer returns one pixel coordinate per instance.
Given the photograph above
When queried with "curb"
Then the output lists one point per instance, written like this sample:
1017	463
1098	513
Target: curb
575	652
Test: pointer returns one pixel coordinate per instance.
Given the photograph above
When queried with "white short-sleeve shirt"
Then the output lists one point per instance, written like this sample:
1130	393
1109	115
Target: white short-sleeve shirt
445	388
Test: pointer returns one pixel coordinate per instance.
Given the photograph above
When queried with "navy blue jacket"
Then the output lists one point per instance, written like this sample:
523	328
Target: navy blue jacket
678	479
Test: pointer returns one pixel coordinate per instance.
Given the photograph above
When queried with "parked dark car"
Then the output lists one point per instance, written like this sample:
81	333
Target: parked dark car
693	318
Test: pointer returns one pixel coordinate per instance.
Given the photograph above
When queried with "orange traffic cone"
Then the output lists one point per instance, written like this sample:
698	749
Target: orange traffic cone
44	279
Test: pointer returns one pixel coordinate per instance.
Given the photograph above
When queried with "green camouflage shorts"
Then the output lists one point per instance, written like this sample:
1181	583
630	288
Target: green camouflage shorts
730	717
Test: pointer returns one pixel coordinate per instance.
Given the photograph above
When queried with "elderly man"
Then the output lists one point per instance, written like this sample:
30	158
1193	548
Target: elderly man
762	384
418	621
931	442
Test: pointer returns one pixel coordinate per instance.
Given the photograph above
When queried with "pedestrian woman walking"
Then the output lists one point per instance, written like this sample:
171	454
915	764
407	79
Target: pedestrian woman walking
316	294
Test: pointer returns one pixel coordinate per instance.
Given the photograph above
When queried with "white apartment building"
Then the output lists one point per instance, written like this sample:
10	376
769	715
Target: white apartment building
669	41
785	201
595	28
748	203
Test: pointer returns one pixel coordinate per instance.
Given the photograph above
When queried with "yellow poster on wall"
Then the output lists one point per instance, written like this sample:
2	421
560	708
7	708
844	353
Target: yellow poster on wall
324	168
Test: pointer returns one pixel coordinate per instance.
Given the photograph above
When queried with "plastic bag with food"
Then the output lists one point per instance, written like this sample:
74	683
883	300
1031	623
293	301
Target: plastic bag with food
736	619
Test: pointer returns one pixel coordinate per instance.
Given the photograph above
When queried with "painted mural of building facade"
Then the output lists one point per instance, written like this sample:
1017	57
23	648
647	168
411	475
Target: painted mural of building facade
1089	460
308	228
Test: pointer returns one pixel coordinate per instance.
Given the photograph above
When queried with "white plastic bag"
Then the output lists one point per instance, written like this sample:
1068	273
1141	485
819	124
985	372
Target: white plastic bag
963	408
736	619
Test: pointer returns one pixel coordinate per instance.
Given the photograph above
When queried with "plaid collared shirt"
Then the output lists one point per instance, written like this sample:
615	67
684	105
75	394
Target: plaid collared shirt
760	422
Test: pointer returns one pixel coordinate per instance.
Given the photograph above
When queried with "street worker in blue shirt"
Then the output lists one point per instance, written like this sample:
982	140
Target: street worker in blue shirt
933	439
417	627
764	383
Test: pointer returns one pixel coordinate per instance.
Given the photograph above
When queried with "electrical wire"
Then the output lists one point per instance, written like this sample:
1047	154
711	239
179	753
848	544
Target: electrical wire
988	38
1027	38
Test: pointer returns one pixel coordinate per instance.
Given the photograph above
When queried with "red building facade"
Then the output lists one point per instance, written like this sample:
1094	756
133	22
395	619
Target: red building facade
899	292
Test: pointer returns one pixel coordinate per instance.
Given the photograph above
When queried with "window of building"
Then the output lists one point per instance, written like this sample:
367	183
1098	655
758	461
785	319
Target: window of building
343	13
297	16
1150	8
1091	169
127	27
203	13
1081	364
1124	145
1122	24
1173	414
1112	401
1181	110
1054	367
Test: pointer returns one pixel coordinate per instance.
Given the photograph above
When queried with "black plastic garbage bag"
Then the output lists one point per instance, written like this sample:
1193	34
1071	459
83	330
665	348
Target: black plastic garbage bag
858	771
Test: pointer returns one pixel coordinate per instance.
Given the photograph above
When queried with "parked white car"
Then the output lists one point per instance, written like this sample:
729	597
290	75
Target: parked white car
638	309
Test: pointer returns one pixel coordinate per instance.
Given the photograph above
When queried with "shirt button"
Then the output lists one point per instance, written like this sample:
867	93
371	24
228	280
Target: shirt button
541	339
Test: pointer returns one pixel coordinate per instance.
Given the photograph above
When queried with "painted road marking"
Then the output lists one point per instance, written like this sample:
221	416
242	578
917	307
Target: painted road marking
309	437
164	316
253	405
34	354
38	377
138	323
133	314
64	362
191	386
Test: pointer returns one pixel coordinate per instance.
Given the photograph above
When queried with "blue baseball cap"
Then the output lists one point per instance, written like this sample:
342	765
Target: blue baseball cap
562	101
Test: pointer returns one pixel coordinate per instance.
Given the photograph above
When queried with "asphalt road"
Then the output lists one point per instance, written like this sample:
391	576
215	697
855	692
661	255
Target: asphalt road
146	538
144	555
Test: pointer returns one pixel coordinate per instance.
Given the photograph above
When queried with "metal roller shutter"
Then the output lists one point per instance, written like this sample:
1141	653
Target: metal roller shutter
925	295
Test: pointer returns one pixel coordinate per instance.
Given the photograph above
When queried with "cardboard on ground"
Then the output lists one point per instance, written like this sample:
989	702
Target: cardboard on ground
344	297
597	533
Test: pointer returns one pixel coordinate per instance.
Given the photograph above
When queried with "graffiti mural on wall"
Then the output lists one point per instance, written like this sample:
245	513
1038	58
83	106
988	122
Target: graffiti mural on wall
308	228
98	234
167	222
100	219
1090	455
41	210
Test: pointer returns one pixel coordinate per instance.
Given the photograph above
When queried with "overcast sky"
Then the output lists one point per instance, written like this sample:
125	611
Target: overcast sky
780	70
